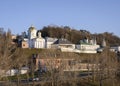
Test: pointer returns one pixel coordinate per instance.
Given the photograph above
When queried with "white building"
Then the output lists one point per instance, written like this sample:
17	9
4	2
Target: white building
64	45
115	48
34	40
87	47
49	41
24	70
13	72
38	42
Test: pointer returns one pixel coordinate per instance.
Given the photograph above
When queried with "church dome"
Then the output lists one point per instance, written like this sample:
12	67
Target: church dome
32	28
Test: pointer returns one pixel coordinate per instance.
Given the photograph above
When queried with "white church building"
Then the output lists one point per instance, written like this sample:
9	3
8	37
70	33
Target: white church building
34	39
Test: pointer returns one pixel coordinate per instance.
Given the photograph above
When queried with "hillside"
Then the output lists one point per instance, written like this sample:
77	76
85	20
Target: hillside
75	35
55	53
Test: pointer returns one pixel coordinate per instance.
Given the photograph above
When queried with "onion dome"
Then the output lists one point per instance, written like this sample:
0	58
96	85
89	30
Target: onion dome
32	28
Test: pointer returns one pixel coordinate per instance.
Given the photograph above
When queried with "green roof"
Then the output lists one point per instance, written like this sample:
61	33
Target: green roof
85	43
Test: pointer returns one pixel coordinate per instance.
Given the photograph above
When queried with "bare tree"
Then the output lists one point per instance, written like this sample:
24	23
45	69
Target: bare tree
7	50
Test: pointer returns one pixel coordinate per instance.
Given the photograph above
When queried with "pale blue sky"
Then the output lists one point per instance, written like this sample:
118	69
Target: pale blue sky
96	16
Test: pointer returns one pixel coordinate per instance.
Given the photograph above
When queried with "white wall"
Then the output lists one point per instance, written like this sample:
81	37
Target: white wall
117	48
39	43
87	47
48	44
11	72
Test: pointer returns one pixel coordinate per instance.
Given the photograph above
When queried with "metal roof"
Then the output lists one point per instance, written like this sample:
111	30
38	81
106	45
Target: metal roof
62	41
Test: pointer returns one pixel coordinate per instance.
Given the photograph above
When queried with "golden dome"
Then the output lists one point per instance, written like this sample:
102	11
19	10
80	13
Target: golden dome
32	28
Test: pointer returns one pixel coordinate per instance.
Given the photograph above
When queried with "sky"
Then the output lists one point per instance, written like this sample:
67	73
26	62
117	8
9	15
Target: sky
96	16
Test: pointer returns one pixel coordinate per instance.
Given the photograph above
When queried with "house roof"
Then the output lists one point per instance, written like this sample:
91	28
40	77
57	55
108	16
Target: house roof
85	44
62	41
48	39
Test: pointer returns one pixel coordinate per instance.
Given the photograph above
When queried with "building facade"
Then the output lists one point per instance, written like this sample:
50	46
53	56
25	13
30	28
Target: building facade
49	41
87	46
34	39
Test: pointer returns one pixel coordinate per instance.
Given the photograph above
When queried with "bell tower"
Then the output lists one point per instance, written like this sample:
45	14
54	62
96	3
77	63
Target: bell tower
103	43
32	32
